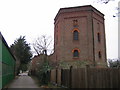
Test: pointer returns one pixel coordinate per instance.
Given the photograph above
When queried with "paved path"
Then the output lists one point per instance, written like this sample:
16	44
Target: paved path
23	82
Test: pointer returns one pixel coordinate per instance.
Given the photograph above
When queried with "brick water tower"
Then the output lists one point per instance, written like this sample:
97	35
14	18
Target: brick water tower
79	34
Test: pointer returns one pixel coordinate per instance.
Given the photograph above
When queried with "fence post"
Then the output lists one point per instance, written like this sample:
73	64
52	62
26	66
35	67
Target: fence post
86	76
70	82
61	76
50	76
56	75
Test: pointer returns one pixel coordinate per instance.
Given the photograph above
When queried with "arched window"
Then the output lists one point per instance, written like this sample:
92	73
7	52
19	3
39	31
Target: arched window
75	35
76	53
98	36
99	54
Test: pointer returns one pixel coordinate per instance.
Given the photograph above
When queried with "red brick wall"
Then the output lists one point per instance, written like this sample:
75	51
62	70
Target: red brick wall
87	17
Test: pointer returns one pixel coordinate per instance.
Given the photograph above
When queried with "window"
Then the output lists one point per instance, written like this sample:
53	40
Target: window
75	53
75	35
98	36
99	54
56	33
75	23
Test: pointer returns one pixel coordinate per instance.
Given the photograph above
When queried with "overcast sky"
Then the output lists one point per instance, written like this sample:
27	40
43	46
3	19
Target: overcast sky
33	18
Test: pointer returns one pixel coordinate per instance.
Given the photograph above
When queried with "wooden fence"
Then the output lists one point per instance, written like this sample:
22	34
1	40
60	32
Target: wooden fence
86	77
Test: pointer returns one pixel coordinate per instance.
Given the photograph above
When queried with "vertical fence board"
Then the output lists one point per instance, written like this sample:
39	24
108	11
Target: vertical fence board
59	77
81	78
115	78
53	75
74	77
119	77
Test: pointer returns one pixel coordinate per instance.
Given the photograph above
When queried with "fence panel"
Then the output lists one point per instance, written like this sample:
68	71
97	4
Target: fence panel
90	78
78	75
53	76
87	77
74	78
106	78
65	80
119	77
98	78
59	77
115	78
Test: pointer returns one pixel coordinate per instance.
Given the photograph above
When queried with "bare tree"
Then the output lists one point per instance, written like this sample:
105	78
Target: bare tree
43	45
104	1
117	9
114	63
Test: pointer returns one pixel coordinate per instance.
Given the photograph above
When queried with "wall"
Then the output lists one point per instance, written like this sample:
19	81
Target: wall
8	63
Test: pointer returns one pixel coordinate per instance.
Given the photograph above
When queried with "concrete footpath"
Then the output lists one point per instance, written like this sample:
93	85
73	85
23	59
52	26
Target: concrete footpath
23	82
